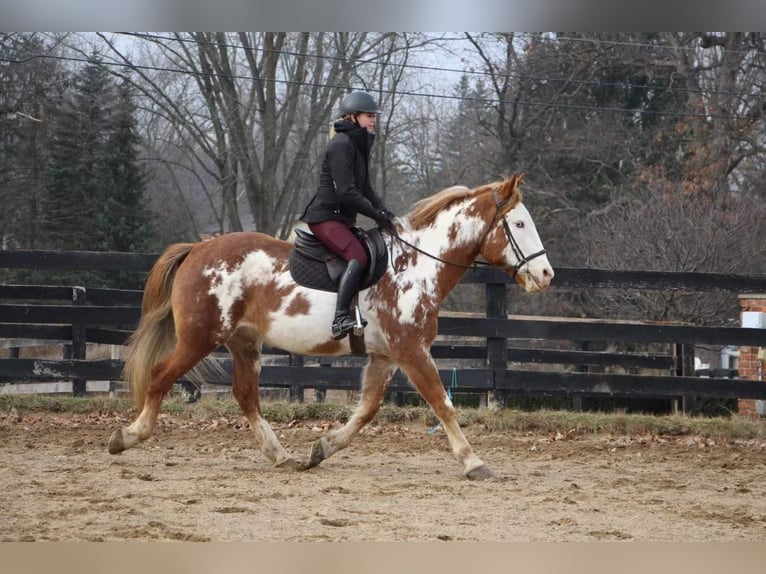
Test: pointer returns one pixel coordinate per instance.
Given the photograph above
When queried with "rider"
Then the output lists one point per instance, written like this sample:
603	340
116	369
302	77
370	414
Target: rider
345	191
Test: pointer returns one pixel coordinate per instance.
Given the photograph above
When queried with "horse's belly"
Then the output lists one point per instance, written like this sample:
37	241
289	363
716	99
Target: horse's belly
312	335
300	335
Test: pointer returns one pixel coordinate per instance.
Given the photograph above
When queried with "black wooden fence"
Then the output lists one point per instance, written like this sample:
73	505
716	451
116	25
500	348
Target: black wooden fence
75	316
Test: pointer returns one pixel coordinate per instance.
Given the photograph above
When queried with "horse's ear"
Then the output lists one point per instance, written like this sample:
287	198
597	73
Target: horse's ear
509	189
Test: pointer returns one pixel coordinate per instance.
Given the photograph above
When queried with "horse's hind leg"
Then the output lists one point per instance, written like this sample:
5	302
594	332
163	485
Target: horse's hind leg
164	374
377	375
246	354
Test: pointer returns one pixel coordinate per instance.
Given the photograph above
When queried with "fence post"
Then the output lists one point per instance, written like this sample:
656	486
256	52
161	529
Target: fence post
79	340
684	354
296	391
579	401
497	347
320	394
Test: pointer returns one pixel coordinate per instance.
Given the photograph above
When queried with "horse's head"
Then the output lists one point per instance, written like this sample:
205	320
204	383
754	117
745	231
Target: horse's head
512	242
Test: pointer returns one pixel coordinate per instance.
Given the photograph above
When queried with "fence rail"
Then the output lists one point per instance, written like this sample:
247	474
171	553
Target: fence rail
78	316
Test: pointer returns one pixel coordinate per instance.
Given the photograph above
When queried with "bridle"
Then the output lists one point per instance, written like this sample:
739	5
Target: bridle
522	259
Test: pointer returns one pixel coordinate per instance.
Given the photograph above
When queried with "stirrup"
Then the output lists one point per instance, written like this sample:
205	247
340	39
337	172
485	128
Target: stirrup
344	324
342	327
360	323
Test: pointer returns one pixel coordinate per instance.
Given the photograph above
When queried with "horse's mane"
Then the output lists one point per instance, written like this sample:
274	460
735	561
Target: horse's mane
425	211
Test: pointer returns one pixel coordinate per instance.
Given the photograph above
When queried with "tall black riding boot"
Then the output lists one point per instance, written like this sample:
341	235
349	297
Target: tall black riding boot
347	288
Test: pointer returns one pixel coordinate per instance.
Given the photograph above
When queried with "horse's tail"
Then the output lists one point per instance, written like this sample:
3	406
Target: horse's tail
155	335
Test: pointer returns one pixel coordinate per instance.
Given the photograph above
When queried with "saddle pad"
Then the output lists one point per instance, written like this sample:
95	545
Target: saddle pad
311	273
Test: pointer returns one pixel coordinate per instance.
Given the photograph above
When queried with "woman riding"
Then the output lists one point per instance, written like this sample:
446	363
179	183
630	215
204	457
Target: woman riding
345	191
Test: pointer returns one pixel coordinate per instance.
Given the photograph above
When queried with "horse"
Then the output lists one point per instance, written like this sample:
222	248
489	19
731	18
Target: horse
236	290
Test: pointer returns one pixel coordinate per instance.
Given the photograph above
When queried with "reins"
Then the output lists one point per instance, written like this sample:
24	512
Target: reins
394	235
475	265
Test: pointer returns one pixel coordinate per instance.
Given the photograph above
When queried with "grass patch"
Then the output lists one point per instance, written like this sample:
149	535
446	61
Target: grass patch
503	420
64	404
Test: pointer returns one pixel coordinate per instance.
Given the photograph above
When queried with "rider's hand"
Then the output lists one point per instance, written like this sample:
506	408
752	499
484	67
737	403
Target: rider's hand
385	219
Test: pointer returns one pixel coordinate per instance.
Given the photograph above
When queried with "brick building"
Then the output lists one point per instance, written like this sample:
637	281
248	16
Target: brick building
751	365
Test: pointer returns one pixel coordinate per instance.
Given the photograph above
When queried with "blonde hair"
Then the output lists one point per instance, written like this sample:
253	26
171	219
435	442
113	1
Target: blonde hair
347	117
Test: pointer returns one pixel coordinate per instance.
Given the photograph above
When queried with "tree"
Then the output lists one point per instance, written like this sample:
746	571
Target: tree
468	152
236	110
659	228
251	111
126	219
95	192
30	92
618	134
79	171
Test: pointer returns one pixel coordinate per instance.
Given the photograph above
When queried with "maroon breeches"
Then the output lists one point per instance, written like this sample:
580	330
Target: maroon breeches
339	239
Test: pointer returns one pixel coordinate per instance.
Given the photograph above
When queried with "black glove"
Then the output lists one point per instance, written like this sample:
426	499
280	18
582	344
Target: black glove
385	219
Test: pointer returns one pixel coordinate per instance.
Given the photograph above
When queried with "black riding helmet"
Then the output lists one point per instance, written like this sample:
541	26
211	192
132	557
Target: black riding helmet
358	101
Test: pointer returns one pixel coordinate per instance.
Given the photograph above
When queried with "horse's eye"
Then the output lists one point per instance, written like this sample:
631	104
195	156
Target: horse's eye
519	224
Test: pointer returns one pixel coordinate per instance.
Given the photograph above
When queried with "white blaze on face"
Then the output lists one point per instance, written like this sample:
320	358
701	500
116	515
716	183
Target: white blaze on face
529	243
524	232
419	281
228	285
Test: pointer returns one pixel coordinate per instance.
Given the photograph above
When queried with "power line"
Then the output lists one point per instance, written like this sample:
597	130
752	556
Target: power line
545	79
483	100
559	38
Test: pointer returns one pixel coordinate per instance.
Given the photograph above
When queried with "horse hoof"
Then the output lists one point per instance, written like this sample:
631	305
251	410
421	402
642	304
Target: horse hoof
317	455
116	444
479	473
291	464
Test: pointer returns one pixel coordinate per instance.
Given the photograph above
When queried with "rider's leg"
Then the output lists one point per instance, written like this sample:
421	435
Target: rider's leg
341	240
348	287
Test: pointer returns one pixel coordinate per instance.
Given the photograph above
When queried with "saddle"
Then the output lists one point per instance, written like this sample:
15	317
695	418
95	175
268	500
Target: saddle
313	265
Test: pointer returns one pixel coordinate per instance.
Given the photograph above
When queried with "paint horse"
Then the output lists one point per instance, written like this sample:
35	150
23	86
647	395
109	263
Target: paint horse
236	290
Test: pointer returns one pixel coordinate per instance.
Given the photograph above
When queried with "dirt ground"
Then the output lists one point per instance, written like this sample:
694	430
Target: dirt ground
206	481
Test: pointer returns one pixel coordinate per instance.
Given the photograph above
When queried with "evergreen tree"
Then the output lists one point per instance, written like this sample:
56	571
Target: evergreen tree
467	156
29	96
127	222
95	189
607	104
78	164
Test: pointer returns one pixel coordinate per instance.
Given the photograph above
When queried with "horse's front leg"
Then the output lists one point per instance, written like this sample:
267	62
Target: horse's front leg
377	375
421	370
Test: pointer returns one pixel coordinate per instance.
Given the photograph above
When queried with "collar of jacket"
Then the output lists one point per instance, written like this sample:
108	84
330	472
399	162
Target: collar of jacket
358	135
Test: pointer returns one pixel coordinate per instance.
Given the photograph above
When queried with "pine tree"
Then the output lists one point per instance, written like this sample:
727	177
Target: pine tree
28	98
96	184
78	164
466	154
127	222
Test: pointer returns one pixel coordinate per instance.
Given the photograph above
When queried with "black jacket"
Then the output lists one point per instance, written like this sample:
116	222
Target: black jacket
344	182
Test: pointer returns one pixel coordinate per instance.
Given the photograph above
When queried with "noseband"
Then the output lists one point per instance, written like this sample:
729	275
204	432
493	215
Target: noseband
523	260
